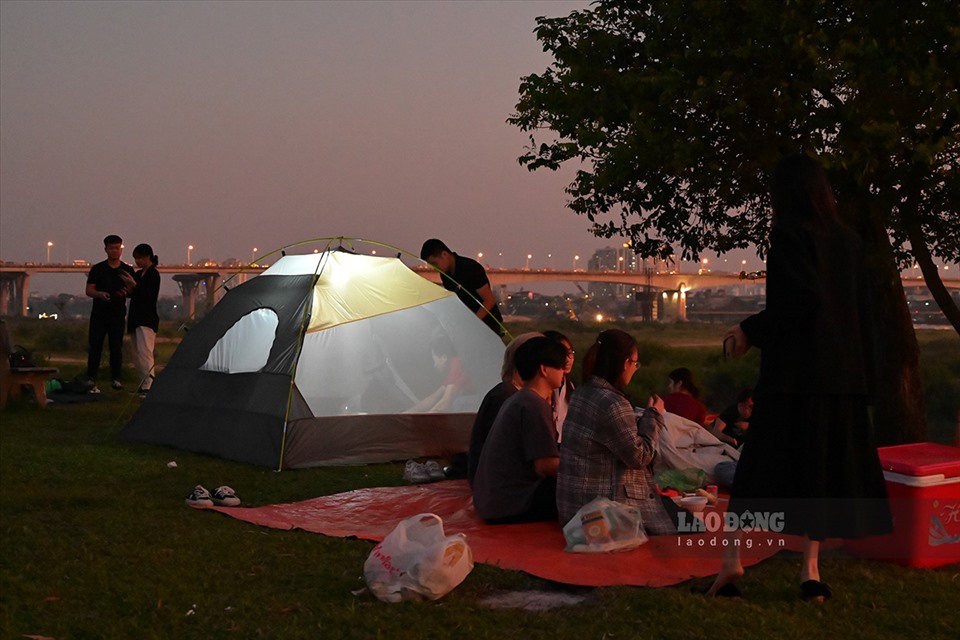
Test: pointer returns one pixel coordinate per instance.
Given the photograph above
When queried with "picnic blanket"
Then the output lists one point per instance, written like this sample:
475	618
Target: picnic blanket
535	548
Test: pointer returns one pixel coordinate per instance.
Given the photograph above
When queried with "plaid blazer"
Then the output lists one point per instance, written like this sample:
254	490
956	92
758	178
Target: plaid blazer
607	452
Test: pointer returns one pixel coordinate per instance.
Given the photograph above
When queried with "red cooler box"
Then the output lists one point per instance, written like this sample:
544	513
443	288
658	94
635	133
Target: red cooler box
923	483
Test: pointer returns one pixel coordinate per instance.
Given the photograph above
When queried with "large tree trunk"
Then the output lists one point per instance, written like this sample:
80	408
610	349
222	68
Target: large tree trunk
899	412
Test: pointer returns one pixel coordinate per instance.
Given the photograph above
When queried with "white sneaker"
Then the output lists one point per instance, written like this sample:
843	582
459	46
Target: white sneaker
94	389
434	471
415	473
225	497
199	498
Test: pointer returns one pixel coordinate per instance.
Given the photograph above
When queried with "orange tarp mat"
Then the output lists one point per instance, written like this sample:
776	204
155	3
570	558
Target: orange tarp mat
535	548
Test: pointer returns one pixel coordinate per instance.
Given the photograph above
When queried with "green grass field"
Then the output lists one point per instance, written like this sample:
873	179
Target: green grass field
97	543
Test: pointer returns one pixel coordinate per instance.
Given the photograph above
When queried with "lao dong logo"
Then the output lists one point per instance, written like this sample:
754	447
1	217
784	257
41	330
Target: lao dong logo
712	522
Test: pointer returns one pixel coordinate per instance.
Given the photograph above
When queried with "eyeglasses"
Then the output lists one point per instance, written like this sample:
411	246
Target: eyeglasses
635	363
571	353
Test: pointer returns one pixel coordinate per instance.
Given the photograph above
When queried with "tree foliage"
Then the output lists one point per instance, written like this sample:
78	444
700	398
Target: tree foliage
674	111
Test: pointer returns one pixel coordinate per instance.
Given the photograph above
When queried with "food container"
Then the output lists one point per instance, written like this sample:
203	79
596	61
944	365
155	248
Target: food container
923	485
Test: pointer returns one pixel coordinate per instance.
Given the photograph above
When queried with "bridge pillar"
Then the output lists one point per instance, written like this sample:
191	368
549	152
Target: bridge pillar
211	282
13	293
645	303
188	283
190	290
673	306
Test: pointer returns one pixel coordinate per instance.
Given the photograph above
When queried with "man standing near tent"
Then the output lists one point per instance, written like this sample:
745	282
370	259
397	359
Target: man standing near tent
466	278
108	283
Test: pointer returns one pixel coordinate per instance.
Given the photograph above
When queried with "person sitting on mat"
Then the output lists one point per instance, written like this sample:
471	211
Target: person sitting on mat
561	397
455	379
683	398
493	401
731	426
516	478
606	451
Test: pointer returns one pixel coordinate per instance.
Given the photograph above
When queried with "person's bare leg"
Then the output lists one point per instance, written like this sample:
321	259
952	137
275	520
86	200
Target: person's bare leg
811	554
810	586
730	568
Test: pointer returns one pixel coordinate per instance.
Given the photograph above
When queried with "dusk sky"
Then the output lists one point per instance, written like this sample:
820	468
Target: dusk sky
233	125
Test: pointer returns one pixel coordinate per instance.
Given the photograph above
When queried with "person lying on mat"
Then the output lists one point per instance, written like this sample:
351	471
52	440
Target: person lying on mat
606	451
516	476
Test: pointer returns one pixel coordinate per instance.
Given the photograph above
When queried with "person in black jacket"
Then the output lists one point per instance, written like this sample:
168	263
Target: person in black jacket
143	319
811	456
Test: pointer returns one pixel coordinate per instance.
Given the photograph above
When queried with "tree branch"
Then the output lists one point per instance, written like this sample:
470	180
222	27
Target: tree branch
931	275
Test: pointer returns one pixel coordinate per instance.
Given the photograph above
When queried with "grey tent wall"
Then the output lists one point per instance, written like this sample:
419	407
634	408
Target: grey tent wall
234	416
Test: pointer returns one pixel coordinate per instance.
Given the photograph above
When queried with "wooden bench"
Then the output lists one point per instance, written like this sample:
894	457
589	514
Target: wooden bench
12	379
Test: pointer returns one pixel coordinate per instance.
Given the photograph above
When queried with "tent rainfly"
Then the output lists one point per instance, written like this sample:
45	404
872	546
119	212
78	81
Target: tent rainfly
323	360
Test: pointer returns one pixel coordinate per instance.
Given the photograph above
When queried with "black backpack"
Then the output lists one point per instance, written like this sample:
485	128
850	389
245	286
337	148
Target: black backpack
21	358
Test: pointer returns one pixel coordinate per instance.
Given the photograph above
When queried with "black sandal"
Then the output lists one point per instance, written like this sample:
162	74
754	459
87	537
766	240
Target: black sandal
815	590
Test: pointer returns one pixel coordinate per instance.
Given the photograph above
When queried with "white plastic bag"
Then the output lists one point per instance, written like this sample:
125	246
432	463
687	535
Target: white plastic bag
603	525
417	561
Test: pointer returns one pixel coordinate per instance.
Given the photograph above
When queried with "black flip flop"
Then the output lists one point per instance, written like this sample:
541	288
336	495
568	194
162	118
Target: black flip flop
815	590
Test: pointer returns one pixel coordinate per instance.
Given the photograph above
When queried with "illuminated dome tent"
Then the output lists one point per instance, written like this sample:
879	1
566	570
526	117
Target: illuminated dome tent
321	360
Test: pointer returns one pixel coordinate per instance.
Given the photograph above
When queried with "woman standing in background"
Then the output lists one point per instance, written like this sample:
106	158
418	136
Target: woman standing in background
143	320
811	454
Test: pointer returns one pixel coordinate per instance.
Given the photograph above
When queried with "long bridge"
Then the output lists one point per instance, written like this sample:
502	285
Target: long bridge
208	278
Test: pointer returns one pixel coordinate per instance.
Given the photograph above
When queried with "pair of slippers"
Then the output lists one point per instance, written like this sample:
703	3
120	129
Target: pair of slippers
812	590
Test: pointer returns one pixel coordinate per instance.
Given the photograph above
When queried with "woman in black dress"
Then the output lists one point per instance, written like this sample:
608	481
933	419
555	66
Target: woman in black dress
811	454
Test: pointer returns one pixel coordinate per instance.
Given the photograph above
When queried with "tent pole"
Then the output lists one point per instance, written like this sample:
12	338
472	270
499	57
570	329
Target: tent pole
293	373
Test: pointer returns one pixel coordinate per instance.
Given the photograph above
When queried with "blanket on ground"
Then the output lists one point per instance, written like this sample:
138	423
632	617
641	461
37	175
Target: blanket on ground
536	548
